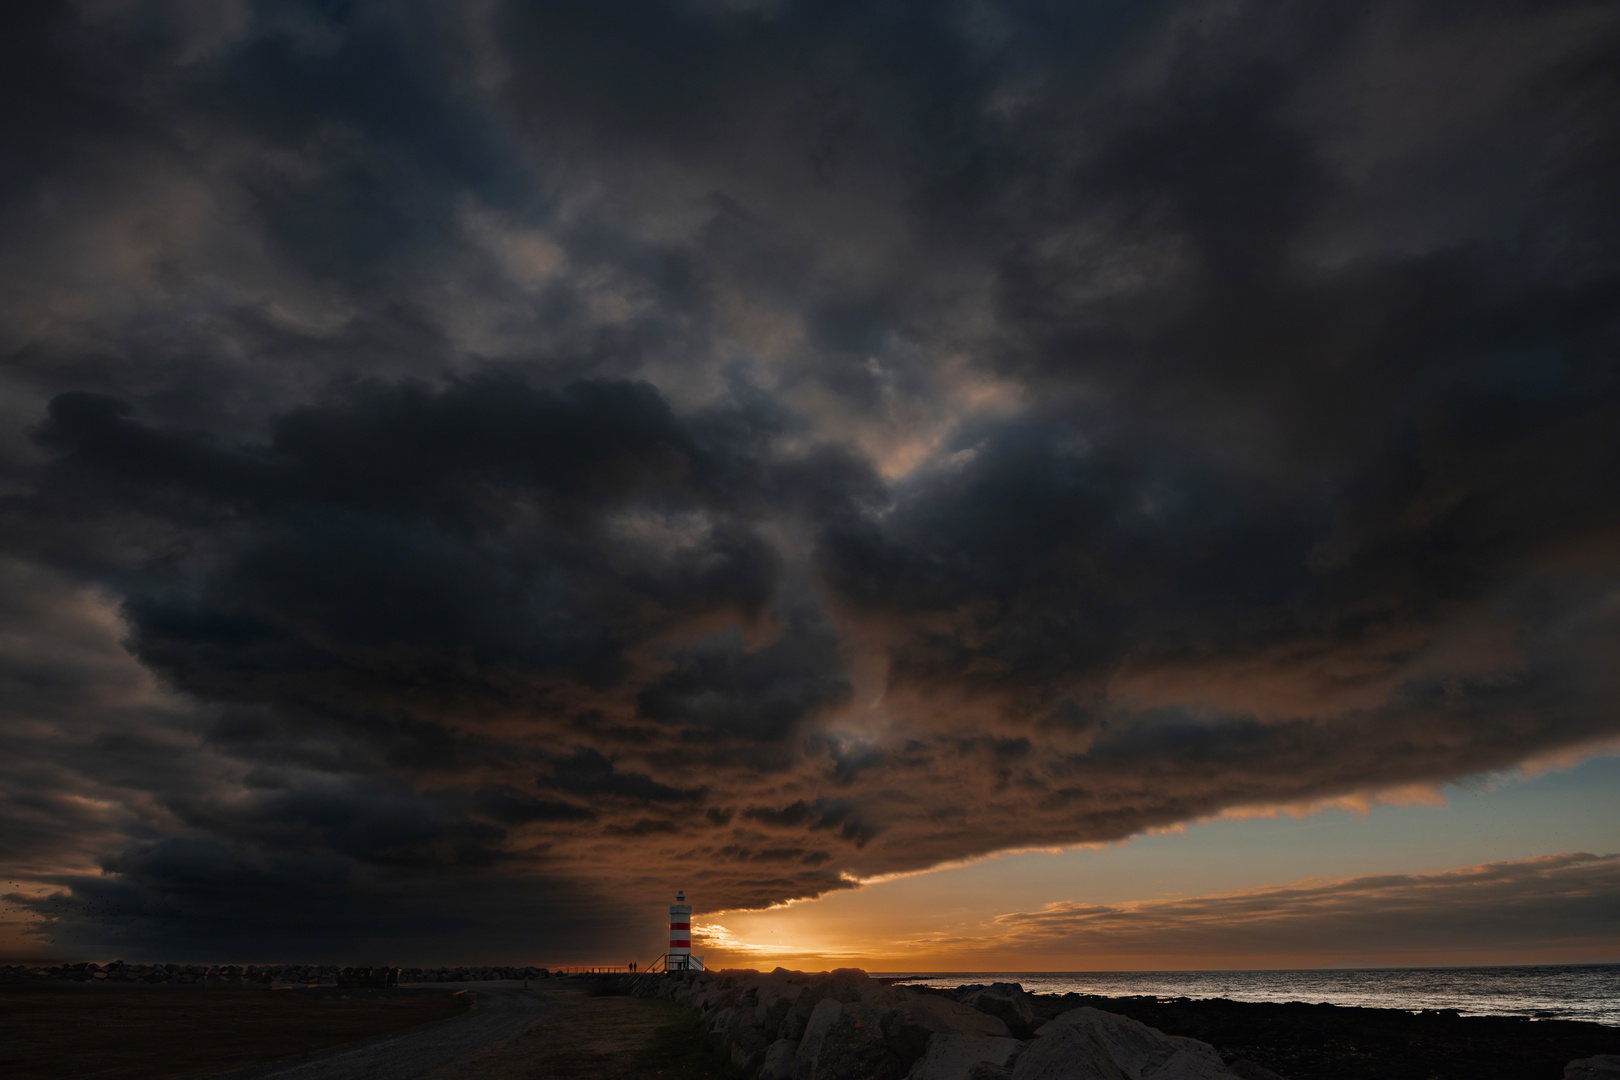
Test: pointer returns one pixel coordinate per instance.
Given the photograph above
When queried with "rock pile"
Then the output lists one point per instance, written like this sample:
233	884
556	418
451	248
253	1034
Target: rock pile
843	1025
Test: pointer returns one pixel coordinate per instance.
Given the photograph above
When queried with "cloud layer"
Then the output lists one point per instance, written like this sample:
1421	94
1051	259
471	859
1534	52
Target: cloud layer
1556	903
488	457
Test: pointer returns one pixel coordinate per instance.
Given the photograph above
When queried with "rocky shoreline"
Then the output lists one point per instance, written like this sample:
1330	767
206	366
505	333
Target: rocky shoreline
845	1025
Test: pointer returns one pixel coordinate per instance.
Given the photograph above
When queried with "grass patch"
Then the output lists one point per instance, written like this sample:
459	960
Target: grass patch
679	1049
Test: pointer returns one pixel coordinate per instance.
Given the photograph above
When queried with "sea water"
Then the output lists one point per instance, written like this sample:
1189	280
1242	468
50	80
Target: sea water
1553	992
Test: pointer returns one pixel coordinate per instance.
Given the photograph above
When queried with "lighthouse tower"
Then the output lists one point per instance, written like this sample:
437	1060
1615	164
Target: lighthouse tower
680	933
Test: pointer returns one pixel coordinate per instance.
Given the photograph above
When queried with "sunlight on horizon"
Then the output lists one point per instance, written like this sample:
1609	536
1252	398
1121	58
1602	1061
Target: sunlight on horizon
952	917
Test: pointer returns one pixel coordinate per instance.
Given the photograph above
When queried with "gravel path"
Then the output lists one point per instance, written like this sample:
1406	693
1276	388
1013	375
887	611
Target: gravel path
502	1010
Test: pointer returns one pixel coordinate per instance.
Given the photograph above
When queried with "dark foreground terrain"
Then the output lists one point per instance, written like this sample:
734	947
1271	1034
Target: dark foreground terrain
1329	1042
554	1030
145	1033
162	1032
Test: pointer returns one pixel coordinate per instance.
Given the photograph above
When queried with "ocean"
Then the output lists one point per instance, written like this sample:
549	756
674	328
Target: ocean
1552	992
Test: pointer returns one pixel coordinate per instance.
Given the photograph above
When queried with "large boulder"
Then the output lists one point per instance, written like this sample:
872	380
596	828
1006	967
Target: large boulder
778	1062
796	1020
1602	1067
1008	1002
775	1000
740	1030
952	1056
746	1061
823	1016
913	1022
845	1041
843	985
886	998
719	1020
846	984
856	1048
933	1013
1089	1044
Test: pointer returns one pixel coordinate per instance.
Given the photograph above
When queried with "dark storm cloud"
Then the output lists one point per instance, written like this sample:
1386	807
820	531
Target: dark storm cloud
418	582
720	688
588	772
1042	559
486	502
197	899
557	445
513	807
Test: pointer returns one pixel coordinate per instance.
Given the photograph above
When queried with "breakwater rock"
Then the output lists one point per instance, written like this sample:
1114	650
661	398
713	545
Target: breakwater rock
844	1025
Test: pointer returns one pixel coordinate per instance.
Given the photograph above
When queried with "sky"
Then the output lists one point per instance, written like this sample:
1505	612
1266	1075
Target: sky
950	485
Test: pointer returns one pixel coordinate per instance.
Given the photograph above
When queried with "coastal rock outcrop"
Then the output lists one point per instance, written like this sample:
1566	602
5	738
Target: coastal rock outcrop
1089	1044
846	1041
931	1013
1008	1002
844	1025
1602	1067
918	1018
952	1056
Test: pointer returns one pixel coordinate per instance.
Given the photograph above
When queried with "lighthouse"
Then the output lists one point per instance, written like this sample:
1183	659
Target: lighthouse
680	934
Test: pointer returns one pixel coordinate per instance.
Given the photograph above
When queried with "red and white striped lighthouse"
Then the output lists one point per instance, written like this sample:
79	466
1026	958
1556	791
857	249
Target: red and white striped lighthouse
680	933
